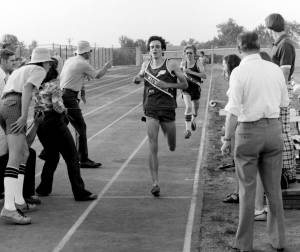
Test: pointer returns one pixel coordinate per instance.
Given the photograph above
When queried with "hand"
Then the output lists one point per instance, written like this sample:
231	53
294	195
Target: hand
39	117
162	84
226	148
137	79
107	65
82	95
18	125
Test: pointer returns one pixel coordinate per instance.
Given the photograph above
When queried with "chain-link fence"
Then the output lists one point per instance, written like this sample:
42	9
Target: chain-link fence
99	56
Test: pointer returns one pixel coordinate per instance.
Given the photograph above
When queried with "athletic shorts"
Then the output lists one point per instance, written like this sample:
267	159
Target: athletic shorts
162	115
10	111
194	91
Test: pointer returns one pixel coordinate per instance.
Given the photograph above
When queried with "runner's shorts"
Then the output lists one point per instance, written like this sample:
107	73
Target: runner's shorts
10	111
194	91
162	115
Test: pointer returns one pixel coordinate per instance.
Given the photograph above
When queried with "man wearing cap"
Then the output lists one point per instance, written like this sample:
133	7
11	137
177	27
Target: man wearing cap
14	106
72	77
283	54
256	91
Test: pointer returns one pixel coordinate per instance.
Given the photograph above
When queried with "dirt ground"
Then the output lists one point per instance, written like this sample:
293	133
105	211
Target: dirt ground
219	220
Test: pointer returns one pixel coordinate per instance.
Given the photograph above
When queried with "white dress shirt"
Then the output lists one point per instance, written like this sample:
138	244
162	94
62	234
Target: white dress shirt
257	90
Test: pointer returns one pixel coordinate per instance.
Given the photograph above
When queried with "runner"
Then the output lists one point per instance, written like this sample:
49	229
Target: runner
194	72
159	101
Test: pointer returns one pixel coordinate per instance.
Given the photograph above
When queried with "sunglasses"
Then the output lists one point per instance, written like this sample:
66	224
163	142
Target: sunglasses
189	53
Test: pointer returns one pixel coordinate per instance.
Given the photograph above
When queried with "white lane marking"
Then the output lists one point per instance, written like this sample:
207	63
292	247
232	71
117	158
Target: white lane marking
109	103
115	121
191	215
126	197
109	84
108	126
92	205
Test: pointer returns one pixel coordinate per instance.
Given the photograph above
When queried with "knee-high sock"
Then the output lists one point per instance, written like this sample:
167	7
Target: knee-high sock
19	199
10	187
188	123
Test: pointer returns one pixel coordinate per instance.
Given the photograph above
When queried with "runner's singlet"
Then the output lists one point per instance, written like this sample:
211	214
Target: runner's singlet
154	98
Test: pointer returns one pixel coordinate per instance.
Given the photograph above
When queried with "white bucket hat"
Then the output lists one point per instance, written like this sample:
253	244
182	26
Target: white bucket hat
83	47
40	55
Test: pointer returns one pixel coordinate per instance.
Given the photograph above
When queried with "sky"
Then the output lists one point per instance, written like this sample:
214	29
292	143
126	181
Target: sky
102	22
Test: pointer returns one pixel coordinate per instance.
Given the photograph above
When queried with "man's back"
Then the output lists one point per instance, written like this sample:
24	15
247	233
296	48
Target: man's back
74	72
258	86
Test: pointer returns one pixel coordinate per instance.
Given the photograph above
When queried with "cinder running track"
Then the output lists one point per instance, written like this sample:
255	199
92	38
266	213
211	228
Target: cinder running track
125	217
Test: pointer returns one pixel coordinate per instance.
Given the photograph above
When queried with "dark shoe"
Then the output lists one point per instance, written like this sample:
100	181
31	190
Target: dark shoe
231	198
194	126
187	134
87	198
26	207
41	193
43	155
89	164
33	200
226	166
155	191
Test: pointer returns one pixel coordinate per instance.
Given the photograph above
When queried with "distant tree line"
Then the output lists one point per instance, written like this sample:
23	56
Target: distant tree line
228	31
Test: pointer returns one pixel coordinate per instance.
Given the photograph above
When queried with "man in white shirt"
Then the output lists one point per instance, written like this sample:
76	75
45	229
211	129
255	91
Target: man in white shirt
74	72
256	92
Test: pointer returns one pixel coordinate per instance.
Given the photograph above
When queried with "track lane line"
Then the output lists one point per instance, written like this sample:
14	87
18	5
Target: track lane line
92	205
193	204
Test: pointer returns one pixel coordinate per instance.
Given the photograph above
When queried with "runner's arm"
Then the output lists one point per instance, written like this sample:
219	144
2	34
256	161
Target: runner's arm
202	73
139	77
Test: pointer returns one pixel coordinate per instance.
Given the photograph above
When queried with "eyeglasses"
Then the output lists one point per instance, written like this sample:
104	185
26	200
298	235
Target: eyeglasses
189	53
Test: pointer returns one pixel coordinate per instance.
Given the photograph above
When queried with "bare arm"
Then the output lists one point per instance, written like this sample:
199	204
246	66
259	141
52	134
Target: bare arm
202	73
139	77
103	70
286	73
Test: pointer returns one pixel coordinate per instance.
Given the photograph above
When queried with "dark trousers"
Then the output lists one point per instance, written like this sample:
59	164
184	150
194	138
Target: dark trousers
75	117
29	178
56	139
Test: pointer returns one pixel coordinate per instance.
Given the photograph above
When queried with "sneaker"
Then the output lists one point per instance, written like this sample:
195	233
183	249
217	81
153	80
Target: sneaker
89	164
194	126
155	191
187	134
26	207
260	215
14	217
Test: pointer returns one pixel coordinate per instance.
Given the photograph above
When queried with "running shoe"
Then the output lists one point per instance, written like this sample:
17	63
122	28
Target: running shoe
14	217
187	134
155	191
194	126
26	207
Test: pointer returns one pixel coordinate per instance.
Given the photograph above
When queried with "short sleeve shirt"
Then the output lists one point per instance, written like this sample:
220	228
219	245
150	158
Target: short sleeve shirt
283	53
74	72
20	77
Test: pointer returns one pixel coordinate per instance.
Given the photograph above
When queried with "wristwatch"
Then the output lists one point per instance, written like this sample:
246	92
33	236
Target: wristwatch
226	139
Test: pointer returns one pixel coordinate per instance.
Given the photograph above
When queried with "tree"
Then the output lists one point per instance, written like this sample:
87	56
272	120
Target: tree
33	45
126	42
293	29
265	37
227	33
142	44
